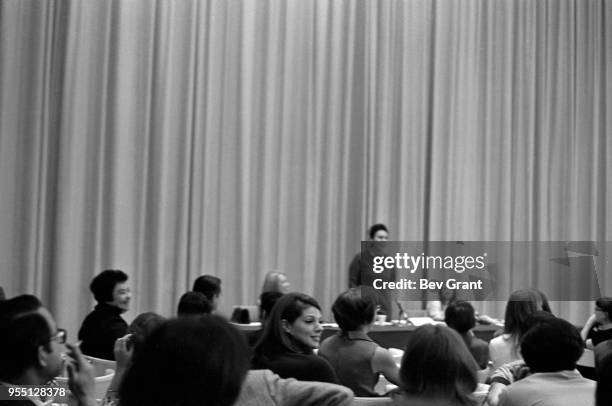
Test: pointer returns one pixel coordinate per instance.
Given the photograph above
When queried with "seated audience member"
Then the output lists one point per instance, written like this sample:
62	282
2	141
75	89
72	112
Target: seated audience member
33	352
266	302
193	304
188	361
292	332
209	286
260	388
521	304
603	393
125	347
437	369
142	326
551	349
598	327
275	281
515	370
461	317
356	358
104	324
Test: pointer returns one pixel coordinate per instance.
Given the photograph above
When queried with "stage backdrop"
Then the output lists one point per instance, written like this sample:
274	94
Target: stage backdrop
231	137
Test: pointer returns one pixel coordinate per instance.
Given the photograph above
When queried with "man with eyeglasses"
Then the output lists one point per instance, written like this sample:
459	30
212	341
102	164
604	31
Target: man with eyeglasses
33	353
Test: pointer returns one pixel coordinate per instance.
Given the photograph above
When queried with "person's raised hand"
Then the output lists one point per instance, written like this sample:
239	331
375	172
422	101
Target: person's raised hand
124	350
80	376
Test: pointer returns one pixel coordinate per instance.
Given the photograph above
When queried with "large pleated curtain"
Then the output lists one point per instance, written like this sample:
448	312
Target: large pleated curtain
232	137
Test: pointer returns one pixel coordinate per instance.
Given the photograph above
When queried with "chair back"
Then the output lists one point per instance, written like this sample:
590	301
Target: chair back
101	366
101	384
245	314
103	371
363	401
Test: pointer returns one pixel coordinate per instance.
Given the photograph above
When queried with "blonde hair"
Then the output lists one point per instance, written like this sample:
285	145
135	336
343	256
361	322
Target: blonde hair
272	282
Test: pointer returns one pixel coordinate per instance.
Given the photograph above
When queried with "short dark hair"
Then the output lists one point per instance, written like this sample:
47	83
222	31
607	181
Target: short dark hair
193	303
375	228
143	325
536	318
187	361
274	339
460	316
20	339
437	364
18	305
208	285
552	345
267	300
352	309
102	284
605	304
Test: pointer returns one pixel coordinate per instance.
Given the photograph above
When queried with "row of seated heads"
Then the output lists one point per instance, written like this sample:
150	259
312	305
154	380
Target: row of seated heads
436	361
208	357
204	296
184	360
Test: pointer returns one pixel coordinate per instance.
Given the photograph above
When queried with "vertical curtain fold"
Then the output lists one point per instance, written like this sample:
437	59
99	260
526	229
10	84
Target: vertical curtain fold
232	137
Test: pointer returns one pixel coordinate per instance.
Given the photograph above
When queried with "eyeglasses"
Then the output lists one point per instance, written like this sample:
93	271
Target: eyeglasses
61	336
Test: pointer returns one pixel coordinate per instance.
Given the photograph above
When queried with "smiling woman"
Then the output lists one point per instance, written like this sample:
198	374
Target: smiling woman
104	324
291	334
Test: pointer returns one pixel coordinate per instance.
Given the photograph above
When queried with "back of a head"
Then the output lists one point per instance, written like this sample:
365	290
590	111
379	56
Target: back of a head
543	301
18	305
102	285
267	300
460	316
143	325
208	285
189	361
552	345
193	304
438	365
536	318
521	304
352	309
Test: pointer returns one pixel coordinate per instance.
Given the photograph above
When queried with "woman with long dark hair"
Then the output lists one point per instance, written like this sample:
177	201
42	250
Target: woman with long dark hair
521	304
292	332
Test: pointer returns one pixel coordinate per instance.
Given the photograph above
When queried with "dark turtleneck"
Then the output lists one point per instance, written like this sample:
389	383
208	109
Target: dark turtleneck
100	329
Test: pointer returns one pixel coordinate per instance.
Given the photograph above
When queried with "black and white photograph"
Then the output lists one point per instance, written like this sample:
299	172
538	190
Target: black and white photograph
306	202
